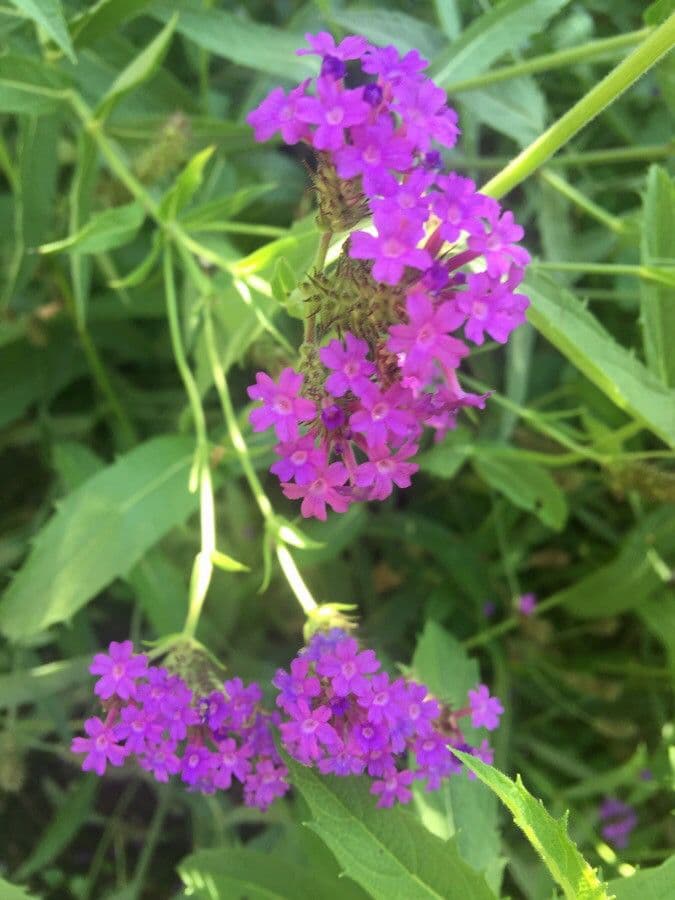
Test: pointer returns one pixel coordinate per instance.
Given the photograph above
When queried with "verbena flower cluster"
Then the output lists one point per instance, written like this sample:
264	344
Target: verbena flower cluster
346	717
210	740
441	258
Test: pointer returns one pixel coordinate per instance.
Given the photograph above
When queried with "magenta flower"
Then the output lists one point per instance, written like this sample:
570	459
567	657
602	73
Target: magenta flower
382	699
333	109
385	469
198	762
484	753
283	407
231	760
346	668
490	306
499	244
100	746
527	604
298	459
320	492
137	728
458	206
381	413
298	685
213	710
391	66
120	669
266	784
308	731
351	370
161	760
342	762
323	44
421	105
393	248
373	151
394	787
424	338
619	821
278	112
408	196
485	710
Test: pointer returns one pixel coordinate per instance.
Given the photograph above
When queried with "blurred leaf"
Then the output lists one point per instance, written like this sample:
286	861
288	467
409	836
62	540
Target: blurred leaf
26	86
526	485
71	814
502	29
103	18
446	458
449	17
186	184
239	39
161	590
631	578
105	231
461	807
227	563
31	685
547	835
384	26
658	614
516	108
98	533
246	874
658	301
579	336
139	69
224	207
646	884
658	12
12	892
48	14
387	851
607	782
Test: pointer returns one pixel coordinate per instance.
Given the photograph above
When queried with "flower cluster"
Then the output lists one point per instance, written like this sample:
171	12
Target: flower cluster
441	258
346	717
619	819
208	740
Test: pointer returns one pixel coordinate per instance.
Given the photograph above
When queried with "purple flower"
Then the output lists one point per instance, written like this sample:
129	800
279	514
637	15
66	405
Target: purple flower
137	728
161	760
418	708
278	112
308	731
394	787
332	416
179	714
332	110
425	338
527	604
323	642
421	105
620	819
299	459
321	491
408	196
490	306
242	702
458	206
385	469
382	699
231	760
373	151
484	753
213	709
499	244
347	668
485	710
198	762
283	407
342	762
393	248
266	784
299	684
100	746
323	44
381	413
391	66
120	669
351	370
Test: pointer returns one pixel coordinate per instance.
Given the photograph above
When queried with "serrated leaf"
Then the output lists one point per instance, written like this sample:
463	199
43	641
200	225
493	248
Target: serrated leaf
525	484
139	69
578	335
461	807
505	27
239	39
48	14
646	884
246	874
98	533
547	835
387	851
658	301
105	231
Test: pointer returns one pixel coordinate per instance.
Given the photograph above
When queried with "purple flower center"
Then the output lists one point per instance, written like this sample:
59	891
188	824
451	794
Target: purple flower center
309	726
193	760
392	248
299	457
102	742
426	335
283	405
352	368
380	411
335	115
381	699
349	669
332	417
372	94
414	711
479	309
118	671
333	67
372	154
385	466
319	486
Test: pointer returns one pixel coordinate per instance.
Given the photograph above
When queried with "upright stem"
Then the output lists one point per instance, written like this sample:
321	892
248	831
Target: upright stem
656	45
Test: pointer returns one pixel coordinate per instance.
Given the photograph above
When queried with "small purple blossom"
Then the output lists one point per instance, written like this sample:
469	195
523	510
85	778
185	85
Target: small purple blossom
347	668
322	491
100	746
332	110
283	407
380	414
350	370
298	460
394	787
278	112
120	668
393	248
323	44
527	604
485	710
385	469
619	819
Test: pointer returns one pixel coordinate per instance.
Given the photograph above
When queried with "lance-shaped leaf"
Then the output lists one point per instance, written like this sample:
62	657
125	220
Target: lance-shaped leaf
48	14
105	231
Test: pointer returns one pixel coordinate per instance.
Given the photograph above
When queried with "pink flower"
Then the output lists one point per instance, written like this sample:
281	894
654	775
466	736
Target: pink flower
385	469
323	44
391	66
424	338
100	746
499	244
382	413
373	151
347	668
283	407
298	459
321	491
120	669
485	710
333	109
394	787
421	105
393	248
490	306
278	112
351	370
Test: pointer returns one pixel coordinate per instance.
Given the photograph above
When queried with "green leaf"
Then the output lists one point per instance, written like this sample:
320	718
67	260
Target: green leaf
461	807
646	884
30	685
27	86
631	578
103	18
98	533
547	835
526	485
658	12
387	851
70	816
384	26
227	563
12	892
139	69
161	590
105	231
502	29
444	460
245	874
224	208
658	301
577	334
516	109
186	184
74	464
48	14
238	39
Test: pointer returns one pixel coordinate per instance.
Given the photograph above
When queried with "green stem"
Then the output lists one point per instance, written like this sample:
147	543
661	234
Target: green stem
609	156
618	226
626	73
548	61
644	272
